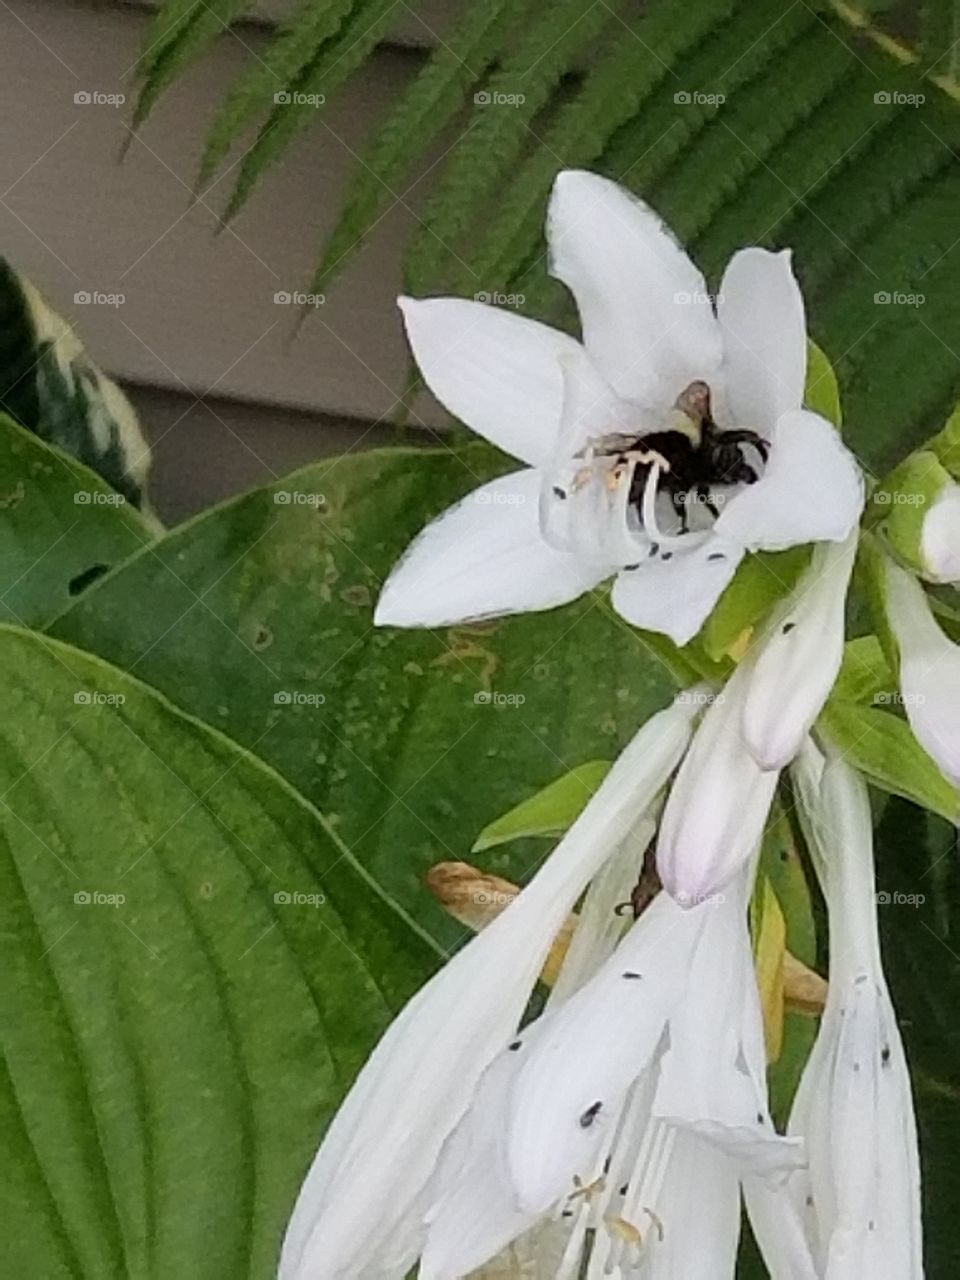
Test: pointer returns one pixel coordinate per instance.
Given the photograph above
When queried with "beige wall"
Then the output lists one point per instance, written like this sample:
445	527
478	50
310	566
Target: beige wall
199	315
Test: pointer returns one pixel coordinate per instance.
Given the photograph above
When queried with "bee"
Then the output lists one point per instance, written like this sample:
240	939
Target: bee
693	454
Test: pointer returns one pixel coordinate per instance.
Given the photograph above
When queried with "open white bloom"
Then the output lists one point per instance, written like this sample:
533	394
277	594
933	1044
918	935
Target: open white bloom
660	450
362	1209
940	536
929	670
859	1197
720	802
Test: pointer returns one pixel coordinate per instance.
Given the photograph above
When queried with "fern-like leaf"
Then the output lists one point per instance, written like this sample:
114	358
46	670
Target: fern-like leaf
421	114
515	94
337	59
291	51
189	31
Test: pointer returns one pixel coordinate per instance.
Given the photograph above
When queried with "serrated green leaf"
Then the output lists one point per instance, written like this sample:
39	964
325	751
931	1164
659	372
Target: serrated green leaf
884	749
406	749
550	811
365	26
196	968
60	527
293	48
51	386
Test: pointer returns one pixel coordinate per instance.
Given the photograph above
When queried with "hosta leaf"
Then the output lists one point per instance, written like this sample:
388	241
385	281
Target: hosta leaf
883	748
412	740
61	526
50	385
550	811
195	969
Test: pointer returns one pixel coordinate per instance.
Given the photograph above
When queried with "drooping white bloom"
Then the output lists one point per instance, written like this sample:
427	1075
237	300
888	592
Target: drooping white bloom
940	537
361	1209
929	670
719	804
632	1108
859	1197
575	415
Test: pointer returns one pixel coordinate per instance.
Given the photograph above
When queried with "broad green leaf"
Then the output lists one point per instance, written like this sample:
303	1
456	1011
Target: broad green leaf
883	748
195	968
51	386
409	740
60	527
762	580
822	392
550	811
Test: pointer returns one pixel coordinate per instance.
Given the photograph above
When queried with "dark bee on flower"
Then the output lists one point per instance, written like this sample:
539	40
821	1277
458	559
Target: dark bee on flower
693	455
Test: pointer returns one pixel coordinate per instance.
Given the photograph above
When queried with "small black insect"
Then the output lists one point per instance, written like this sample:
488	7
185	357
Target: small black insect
694	455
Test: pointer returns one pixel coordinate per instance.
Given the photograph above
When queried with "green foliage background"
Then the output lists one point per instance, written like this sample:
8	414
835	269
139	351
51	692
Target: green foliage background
170	1061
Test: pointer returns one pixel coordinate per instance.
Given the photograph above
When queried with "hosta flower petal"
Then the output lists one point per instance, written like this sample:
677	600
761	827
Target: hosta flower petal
483	558
579	1062
779	1230
929	670
496	371
674	592
761	315
810	491
367	1182
713	1077
861	1194
646	318
718	805
796	665
940	536
474	1215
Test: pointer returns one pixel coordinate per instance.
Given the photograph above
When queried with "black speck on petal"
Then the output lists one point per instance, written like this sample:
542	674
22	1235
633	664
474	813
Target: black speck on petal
591	1113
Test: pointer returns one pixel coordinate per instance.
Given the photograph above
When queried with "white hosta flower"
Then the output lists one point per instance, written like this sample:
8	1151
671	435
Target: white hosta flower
631	1109
794	666
929	670
720	802
859	1198
940	536
603	491
361	1209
